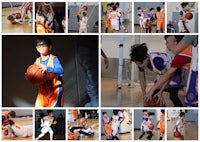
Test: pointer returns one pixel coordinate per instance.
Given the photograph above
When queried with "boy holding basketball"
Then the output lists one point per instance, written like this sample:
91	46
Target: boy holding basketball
51	90
182	20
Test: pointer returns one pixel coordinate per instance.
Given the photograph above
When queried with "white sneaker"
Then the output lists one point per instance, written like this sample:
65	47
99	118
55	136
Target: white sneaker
19	21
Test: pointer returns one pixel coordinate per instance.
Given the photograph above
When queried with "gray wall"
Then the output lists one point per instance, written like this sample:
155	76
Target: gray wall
19	52
9	4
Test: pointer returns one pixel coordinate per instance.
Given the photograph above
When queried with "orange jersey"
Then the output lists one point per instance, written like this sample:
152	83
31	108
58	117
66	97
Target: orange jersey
160	16
51	91
75	113
162	124
108	22
187	52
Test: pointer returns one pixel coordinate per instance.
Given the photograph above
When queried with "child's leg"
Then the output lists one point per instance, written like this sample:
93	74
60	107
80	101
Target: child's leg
150	135
142	135
51	134
174	97
40	136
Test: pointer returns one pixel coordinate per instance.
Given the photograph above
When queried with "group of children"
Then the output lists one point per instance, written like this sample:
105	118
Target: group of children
114	18
168	66
146	20
111	125
47	21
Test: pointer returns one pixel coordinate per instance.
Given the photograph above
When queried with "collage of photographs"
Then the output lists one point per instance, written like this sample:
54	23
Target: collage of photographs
99	70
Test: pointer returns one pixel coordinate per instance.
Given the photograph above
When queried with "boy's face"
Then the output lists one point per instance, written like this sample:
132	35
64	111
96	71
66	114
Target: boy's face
108	7
51	114
150	116
42	48
105	115
171	42
145	114
143	64
139	10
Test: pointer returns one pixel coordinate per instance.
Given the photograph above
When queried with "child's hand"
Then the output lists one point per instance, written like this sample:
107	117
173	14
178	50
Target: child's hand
43	68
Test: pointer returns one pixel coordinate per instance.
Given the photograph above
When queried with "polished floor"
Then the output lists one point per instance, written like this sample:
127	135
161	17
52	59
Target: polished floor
125	136
156	135
7	27
190	131
21	121
111	96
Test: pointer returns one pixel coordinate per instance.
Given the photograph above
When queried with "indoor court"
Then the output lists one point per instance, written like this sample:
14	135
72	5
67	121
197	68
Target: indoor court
13	7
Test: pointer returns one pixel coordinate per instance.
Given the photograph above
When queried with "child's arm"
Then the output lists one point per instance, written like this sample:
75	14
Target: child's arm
142	82
58	69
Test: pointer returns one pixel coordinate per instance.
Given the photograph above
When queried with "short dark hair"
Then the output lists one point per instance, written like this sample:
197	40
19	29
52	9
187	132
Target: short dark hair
178	37
12	114
108	4
139	8
11	122
49	111
158	8
84	13
10	18
162	111
117	3
151	113
104	113
139	52
46	39
115	112
114	8
151	9
144	110
184	4
182	114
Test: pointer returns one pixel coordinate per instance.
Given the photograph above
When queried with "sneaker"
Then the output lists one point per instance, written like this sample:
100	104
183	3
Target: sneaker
19	21
126	31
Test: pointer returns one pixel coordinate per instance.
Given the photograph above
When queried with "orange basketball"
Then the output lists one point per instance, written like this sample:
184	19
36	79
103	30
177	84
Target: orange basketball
18	16
152	103
189	15
151	126
177	134
149	25
34	75
83	120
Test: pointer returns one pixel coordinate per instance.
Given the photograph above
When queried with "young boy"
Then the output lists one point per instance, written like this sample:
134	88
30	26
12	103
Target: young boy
107	15
159	63
144	123
83	23
141	18
162	124
182	20
83	8
19	131
46	123
179	61
6	115
160	17
116	120
106	126
114	18
51	90
180	124
149	122
147	24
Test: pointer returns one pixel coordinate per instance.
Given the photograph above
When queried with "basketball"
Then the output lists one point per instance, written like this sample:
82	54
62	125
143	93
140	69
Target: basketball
34	75
177	134
151	126
85	8
18	16
83	120
152	103
5	132
189	15
149	25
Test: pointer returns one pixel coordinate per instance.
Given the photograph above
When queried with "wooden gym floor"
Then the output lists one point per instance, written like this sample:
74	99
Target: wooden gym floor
190	131
111	96
137	29
138	132
21	121
7	27
125	136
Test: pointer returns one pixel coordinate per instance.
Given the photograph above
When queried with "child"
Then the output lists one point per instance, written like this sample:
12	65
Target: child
75	132
182	20
19	131
46	123
141	18
56	25
159	63
6	115
160	17
83	23
84	8
162	124
107	15
51	90
144	123
107	126
147	24
120	11
149	122
114	18
116	120
184	58
180	124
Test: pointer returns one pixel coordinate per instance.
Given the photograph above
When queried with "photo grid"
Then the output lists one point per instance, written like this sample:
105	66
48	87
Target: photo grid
99	70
